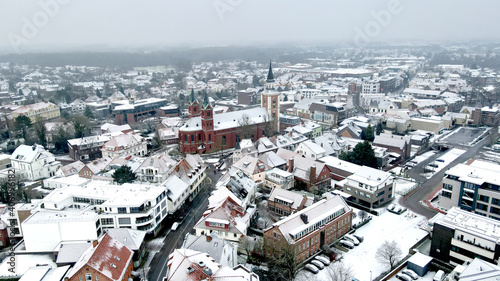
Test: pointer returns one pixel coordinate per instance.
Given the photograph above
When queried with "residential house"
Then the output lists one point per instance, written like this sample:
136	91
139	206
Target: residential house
92	168
186	264
192	171
369	187
307	172
277	178
222	251
284	202
272	160
177	193
107	260
310	149
253	167
87	148
394	143
155	168
124	145
38	111
307	231
133	240
34	162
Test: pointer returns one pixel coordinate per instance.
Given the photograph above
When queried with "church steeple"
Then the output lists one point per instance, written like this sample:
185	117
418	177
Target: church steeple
270	75
192	96
205	100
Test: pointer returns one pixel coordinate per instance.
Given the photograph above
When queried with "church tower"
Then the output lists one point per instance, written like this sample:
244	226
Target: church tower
207	124
270	99
193	106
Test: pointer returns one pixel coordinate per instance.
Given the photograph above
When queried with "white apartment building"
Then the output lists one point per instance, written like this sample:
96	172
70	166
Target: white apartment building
371	87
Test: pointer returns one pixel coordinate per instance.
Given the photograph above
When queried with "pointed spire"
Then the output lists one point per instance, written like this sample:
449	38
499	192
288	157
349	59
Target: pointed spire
205	100
270	76
192	95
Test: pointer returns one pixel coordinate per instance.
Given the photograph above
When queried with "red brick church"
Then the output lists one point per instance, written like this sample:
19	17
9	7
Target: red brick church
205	132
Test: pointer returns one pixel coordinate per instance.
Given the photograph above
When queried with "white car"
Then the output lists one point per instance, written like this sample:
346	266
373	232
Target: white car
391	207
403	277
311	268
175	225
324	260
411	273
347	244
351	238
318	264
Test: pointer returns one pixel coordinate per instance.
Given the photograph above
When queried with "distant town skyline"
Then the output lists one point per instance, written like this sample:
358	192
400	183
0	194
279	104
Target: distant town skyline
46	25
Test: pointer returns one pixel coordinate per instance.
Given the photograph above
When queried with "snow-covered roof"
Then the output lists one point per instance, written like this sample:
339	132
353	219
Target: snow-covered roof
110	258
480	270
370	177
340	164
70	252
176	187
29	153
229	120
420	259
295	198
474	224
131	238
212	245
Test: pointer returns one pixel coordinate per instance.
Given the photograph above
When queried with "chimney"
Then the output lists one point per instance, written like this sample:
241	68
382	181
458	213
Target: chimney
392	136
304	218
209	237
94	243
321	144
290	165
313	174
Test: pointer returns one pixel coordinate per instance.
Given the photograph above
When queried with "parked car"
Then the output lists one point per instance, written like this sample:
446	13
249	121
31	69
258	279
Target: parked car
391	207
318	264
411	273
439	276
403	277
324	260
352	239
175	225
311	268
359	237
347	244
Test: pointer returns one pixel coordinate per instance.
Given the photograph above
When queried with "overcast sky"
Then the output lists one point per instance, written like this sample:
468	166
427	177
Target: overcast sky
30	24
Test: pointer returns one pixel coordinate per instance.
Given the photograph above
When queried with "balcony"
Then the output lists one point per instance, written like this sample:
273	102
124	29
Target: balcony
474	248
146	227
143	219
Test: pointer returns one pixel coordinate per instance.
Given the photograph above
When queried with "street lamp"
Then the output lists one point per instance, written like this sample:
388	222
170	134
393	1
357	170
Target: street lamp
370	275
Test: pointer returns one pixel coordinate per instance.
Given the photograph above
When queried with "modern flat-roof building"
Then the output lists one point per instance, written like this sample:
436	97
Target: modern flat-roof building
369	187
129	112
309	229
474	187
461	235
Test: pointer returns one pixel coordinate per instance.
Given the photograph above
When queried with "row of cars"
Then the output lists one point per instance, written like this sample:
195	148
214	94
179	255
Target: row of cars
318	263
349	241
395	209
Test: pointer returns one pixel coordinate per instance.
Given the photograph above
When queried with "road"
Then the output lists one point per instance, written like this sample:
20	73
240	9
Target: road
413	202
174	239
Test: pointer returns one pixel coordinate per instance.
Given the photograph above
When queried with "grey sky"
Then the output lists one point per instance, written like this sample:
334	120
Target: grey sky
123	23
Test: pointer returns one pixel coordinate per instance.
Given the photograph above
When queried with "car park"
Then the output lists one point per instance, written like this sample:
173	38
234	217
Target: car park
324	260
352	239
347	244
411	273
403	277
318	264
311	268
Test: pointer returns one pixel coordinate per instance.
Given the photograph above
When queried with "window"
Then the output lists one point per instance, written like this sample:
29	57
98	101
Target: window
223	142
484	198
446	194
124	220
122	210
192	138
448	186
88	277
107	221
209	137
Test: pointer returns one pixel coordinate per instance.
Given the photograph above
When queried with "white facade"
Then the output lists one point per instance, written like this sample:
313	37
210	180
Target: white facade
310	149
34	162
371	87
124	145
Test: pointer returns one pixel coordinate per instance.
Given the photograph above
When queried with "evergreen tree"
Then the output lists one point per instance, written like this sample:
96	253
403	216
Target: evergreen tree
23	123
362	154
123	175
88	113
369	136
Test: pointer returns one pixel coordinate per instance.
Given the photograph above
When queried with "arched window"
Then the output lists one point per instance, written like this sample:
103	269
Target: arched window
192	138
185	138
209	137
223	142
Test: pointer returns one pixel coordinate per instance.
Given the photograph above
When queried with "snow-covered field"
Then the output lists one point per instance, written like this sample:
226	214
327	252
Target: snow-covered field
404	229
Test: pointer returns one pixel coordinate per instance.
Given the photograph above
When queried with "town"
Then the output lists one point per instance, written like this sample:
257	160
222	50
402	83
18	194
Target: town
344	164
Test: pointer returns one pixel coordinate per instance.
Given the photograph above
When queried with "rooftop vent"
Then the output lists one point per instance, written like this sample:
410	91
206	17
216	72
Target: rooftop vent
113	265
201	264
189	269
207	271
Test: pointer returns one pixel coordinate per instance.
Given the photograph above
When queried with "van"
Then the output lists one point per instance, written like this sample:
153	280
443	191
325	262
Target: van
439	276
175	225
352	239
347	244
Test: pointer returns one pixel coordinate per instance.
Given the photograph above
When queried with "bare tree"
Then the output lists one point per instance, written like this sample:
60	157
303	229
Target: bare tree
283	264
247	244
246	127
340	271
389	253
363	215
269	125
